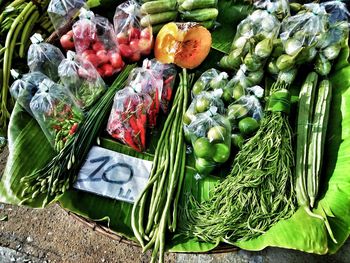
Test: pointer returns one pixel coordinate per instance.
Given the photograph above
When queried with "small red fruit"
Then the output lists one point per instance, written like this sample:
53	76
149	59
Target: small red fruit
93	59
134	33
122	38
87	52
108	70
134	45
116	60
102	56
98	46
146	33
145	46
70	33
67	42
125	50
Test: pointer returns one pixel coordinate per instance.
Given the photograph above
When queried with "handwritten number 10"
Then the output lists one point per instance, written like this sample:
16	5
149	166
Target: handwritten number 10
104	160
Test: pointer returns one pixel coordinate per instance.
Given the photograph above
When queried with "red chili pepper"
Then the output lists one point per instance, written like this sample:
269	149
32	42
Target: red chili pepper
169	92
141	123
129	141
73	129
168	79
133	124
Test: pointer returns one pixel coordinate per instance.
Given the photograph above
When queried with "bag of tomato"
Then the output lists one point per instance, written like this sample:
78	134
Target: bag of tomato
95	40
134	40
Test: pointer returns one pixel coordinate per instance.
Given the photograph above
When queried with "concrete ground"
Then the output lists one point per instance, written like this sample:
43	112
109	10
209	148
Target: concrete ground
51	235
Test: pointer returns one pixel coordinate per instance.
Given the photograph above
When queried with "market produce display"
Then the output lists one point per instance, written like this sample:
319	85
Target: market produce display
219	133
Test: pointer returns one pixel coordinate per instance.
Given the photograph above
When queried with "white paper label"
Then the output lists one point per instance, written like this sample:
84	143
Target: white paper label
113	174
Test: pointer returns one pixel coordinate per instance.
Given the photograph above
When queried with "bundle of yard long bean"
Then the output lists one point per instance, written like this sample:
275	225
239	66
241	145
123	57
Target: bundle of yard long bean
259	191
162	192
58	175
18	20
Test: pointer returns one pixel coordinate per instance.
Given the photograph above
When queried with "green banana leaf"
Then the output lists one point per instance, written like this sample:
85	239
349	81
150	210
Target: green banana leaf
29	151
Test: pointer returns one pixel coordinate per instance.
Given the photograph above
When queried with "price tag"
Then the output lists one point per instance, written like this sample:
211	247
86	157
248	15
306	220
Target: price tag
113	174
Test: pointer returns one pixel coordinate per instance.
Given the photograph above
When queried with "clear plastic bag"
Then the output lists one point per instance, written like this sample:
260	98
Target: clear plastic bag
211	79
253	41
128	119
82	79
44	57
247	105
210	134
167	72
133	39
337	10
24	87
56	112
204	101
62	11
280	8
95	40
303	29
148	81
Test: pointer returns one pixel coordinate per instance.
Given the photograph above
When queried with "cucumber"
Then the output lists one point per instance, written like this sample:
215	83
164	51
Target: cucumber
189	5
209	24
159	6
318	138
200	15
154	19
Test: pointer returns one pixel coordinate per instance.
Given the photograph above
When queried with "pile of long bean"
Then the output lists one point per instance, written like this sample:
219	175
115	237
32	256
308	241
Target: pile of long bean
156	208
259	191
18	20
58	175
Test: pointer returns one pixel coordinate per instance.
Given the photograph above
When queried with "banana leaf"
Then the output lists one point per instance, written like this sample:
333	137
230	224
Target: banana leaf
29	150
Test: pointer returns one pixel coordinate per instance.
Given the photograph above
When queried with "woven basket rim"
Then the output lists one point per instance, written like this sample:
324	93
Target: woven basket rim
106	231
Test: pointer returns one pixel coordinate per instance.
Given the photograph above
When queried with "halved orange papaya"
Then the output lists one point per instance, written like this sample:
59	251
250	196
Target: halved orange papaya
186	48
194	48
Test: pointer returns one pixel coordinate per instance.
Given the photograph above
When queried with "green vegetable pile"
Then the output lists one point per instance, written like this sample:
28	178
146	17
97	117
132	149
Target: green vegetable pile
264	164
158	13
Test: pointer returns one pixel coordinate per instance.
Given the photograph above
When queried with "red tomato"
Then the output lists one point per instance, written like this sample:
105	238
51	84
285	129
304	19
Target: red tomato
70	33
93	59
125	50
87	52
67	42
107	69
135	57
134	45
134	33
116	60
98	46
146	33
145	46
102	56
122	38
